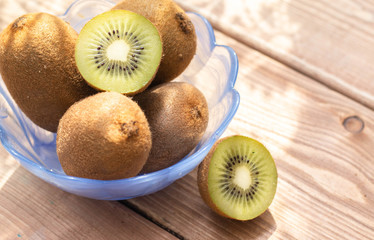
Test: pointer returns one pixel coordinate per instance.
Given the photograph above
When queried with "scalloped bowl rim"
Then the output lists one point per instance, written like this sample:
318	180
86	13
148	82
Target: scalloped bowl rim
196	156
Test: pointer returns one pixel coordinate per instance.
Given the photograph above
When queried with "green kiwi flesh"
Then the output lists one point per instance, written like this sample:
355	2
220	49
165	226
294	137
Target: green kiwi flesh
119	51
105	136
38	67
238	178
177	32
178	116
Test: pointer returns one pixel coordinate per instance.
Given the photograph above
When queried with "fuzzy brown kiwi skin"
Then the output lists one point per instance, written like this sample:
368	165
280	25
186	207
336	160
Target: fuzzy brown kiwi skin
178	116
38	67
202	179
105	136
177	34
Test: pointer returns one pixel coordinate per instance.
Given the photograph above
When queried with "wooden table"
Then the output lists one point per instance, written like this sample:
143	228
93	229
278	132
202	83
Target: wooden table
306	80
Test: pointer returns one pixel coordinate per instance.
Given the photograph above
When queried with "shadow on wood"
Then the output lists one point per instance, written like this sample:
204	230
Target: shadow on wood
33	209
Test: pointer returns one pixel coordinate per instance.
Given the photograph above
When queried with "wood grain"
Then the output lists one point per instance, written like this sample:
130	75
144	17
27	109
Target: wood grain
33	209
326	188
10	10
330	41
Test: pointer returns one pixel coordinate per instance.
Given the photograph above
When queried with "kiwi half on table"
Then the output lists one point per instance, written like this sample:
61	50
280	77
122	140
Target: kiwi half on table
238	178
119	51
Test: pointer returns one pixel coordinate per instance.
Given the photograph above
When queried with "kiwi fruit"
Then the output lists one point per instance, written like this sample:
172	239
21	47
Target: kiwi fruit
105	136
38	67
177	33
238	178
178	115
119	51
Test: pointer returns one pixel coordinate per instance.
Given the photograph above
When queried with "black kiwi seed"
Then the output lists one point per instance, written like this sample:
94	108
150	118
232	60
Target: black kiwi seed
227	186
115	38
135	53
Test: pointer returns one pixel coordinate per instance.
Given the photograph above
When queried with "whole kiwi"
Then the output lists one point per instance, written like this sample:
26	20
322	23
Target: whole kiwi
105	136
178	115
176	30
38	67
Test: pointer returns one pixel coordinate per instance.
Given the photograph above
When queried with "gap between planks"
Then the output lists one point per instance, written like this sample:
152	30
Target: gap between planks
295	63
144	214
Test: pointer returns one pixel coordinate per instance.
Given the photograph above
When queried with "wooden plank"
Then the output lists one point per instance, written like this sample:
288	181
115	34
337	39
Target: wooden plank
33	209
330	41
10	10
326	186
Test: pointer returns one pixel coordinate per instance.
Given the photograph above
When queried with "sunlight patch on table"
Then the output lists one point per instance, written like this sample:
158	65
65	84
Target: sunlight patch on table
8	165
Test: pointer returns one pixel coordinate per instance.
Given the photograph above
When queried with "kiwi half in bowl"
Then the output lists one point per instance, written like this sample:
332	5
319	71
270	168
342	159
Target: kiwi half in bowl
119	51
238	178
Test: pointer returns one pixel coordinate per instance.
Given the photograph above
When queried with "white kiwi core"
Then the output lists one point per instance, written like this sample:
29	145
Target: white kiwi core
242	177
118	50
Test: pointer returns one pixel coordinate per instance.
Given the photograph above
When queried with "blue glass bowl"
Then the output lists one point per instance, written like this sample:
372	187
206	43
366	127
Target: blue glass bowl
213	70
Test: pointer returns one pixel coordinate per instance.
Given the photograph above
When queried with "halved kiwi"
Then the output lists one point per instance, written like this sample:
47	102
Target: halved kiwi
119	51
177	32
238	178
